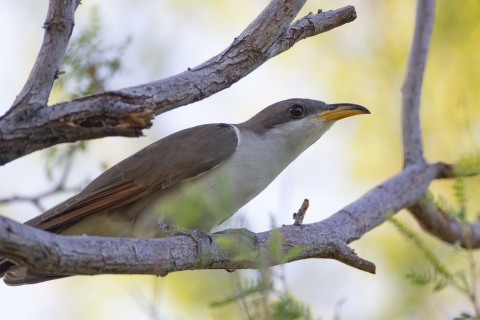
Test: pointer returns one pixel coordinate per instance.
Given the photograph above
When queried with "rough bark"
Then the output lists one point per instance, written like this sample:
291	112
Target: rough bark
325	239
127	111
433	220
31	125
412	87
58	29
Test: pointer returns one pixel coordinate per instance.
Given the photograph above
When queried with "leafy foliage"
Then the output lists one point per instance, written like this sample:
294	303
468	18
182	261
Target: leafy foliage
248	288
468	165
439	274
286	307
255	297
258	297
89	64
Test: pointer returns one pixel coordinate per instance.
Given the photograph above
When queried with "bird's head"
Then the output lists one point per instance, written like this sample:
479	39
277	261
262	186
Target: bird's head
297	119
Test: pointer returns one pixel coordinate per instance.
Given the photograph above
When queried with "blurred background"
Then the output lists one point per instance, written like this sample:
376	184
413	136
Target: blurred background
363	62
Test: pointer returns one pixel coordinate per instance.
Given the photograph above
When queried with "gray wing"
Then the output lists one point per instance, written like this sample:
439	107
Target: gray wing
180	156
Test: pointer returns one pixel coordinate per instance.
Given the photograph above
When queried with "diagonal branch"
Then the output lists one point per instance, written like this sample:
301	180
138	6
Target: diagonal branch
312	25
58	29
127	111
434	221
325	239
412	88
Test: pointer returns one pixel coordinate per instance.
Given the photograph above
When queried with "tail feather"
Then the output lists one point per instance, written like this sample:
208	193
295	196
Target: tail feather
20	275
4	266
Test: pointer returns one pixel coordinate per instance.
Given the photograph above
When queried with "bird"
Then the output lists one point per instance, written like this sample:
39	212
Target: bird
194	179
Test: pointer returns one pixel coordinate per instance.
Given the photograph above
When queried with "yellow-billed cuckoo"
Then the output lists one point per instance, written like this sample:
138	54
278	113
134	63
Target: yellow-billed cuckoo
195	178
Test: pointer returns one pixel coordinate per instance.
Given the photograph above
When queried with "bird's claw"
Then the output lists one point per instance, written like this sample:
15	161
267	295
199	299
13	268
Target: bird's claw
197	235
246	248
251	236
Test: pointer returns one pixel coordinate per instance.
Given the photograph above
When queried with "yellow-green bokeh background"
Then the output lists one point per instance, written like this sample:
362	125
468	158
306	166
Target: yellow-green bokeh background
362	62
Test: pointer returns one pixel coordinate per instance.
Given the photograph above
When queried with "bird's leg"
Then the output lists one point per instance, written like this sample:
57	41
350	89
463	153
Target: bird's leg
196	235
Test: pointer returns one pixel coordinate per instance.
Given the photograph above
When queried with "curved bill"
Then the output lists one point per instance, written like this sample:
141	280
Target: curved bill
339	111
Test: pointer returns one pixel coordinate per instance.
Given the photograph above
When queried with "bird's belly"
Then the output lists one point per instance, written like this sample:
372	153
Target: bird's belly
205	201
202	203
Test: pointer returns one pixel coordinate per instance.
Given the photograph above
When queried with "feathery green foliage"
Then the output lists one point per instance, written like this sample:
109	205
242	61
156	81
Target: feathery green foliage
468	165
420	244
258	297
286	308
89	65
247	288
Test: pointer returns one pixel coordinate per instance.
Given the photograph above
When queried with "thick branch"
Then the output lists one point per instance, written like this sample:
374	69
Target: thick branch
58	29
412	88
444	227
325	239
127	111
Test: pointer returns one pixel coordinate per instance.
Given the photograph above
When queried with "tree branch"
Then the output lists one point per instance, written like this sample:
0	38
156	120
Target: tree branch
434	221
430	217
325	239
412	88
127	111
300	214
58	29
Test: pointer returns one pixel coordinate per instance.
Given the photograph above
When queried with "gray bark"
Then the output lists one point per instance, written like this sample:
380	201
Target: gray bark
412	87
31	125
127	111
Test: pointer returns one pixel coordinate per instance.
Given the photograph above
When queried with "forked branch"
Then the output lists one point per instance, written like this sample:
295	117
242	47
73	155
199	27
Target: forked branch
126	112
412	87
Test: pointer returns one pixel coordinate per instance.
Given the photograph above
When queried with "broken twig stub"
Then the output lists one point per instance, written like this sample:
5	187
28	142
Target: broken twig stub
298	216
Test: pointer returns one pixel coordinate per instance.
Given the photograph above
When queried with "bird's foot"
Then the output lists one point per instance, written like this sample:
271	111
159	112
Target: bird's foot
198	236
251	236
246	249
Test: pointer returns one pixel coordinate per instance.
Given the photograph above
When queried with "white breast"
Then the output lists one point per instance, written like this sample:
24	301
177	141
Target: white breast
214	196
204	202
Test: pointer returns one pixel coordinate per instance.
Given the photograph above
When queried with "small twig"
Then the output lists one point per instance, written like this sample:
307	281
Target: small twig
58	73
242	302
298	216
58	29
60	186
36	199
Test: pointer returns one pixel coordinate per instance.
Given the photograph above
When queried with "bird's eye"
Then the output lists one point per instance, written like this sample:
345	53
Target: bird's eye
296	111
331	108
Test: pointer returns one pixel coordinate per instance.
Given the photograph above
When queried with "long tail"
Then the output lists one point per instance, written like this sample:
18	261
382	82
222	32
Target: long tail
15	275
20	275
